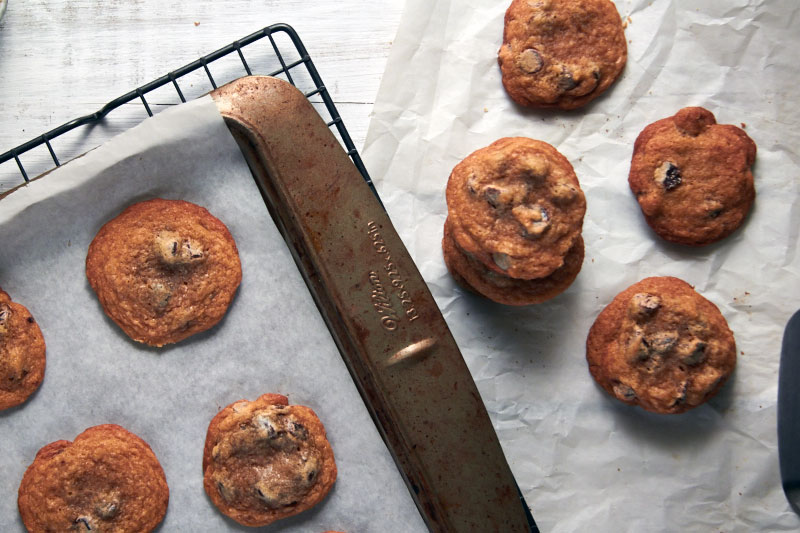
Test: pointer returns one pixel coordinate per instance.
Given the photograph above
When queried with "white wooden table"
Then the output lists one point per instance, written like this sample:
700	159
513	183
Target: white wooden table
60	59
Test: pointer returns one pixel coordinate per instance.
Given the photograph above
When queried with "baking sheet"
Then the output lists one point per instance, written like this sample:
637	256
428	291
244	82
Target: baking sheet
584	461
272	339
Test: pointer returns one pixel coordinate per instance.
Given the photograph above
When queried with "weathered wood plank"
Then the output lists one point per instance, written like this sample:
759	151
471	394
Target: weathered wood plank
65	58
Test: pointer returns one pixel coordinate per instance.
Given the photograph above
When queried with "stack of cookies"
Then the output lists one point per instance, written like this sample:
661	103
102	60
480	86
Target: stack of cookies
515	217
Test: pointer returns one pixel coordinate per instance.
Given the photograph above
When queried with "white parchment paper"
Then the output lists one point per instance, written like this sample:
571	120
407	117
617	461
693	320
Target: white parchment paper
584	461
272	339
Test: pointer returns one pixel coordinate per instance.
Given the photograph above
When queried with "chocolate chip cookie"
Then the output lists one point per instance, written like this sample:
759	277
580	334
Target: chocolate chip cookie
692	177
266	460
662	346
561	53
515	212
107	479
164	270
22	353
473	275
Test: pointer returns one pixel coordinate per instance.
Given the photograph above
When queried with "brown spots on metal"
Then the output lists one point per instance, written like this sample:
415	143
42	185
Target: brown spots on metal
436	369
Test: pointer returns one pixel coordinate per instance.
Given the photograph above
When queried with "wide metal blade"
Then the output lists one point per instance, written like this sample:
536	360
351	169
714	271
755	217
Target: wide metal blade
379	310
789	412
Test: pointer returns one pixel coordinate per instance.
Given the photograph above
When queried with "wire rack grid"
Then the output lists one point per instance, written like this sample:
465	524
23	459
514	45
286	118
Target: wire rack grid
287	60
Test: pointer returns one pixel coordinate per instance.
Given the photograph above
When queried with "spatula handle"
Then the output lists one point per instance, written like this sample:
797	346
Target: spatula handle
379	310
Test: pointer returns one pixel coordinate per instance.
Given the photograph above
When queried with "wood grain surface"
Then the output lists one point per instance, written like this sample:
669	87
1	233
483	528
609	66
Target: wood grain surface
60	59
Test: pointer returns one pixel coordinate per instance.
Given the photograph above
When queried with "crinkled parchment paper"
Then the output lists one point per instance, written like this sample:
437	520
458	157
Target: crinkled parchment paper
585	461
272	339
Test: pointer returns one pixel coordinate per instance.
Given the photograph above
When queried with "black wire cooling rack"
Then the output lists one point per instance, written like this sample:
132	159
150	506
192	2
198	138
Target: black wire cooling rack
293	64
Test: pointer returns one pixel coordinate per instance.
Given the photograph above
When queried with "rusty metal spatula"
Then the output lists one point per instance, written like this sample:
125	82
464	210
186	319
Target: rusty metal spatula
381	314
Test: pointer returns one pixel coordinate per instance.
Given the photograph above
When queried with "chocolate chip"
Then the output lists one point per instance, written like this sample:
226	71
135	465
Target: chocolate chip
85	521
662	342
715	213
30	320
502	260
534	219
492	196
501	196
5	316
298	430
107	510
695	353
160	294
271	498
624	392
224	491
530	61
644	305
565	81
174	251
267	423
668	175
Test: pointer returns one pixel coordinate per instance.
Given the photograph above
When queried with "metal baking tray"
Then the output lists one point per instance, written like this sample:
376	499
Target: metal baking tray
383	318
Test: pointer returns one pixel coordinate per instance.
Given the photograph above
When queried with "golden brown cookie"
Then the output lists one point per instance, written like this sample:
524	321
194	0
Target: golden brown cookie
266	460
662	346
692	177
107	479
516	206
164	270
22	353
561	53
514	220
473	275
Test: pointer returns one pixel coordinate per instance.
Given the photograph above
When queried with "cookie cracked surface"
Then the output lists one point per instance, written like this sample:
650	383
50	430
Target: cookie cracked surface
662	346
266	460
561	53
164	270
107	479
22	353
692	177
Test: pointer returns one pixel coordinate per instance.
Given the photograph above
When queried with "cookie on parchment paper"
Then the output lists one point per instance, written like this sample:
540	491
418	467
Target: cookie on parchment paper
692	177
473	275
661	345
22	353
107	479
164	270
266	460
561	53
514	223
